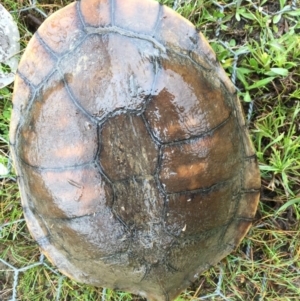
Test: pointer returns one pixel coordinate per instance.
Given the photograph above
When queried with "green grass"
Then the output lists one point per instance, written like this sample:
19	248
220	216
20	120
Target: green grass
265	46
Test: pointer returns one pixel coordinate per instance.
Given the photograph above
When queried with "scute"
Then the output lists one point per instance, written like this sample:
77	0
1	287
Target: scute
190	97
68	193
197	212
114	84
96	12
136	15
56	133
201	163
135	166
88	237
122	154
175	32
22	95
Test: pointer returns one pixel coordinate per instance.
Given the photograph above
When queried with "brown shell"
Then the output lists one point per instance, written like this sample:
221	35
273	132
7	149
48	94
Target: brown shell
135	167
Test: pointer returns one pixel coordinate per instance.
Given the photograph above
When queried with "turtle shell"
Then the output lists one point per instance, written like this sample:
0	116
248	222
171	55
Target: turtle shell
135	166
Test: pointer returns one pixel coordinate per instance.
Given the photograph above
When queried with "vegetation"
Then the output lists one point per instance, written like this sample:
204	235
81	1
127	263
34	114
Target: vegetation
258	44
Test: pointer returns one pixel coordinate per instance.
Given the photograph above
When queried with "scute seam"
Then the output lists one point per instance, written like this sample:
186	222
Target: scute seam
46	47
63	168
74	100
158	19
203	190
78	10
127	33
112	12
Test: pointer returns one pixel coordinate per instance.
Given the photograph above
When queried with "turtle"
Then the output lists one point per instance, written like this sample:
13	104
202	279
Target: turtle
135	166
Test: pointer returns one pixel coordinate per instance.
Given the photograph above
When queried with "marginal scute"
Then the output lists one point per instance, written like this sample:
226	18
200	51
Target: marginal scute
22	94
176	33
136	15
57	258
63	30
236	231
56	133
243	132
35	224
96	13
248	204
202	53
252	174
247	142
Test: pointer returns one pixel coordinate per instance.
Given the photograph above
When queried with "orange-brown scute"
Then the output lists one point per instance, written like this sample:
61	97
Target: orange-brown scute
202	162
56	133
